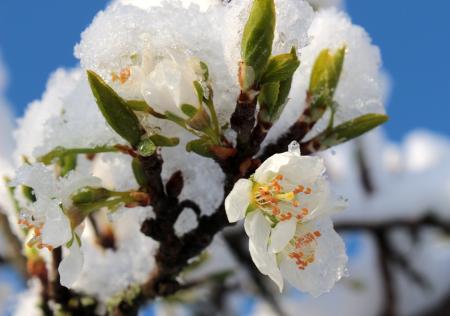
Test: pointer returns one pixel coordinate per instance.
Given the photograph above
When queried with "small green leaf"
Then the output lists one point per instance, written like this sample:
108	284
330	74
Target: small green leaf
257	39
200	146
115	110
324	80
205	70
351	129
139	174
146	147
281	67
199	91
272	99
163	141
188	110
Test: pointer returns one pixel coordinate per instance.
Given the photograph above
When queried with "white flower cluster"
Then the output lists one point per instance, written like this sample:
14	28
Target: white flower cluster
286	205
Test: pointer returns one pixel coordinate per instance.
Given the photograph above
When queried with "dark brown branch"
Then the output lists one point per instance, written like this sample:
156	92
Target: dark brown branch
243	118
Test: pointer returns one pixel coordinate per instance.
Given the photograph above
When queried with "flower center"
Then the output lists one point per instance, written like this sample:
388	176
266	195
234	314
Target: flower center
29	222
303	248
123	76
281	204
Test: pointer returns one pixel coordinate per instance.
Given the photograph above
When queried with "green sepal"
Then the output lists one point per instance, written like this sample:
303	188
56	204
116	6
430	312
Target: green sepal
350	129
146	147
258	35
115	110
163	141
200	146
324	80
139	174
281	67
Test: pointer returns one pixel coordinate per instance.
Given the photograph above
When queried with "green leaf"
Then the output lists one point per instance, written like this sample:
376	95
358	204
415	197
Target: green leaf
272	99
351	129
257	39
139	174
115	110
163	141
324	80
200	146
188	110
199	91
205	70
146	147
281	67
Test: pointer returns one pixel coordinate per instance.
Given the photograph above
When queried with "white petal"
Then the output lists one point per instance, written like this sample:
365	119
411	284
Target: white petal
38	177
266	263
328	267
302	169
56	230
270	168
238	200
71	266
281	234
258	229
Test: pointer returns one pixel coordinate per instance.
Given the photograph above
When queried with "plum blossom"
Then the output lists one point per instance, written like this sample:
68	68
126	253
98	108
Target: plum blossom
51	219
286	205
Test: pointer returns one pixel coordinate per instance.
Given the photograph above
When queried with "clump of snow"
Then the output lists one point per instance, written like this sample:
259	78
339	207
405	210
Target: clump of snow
107	272
320	4
362	86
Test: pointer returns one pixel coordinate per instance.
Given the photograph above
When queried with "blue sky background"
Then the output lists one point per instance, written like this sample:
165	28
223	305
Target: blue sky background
36	37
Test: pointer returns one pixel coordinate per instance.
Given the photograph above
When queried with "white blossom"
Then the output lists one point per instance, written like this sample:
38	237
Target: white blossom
286	205
51	219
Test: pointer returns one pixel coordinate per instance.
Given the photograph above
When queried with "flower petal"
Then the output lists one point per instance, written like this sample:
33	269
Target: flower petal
71	266
328	266
258	229
238	200
281	234
56	230
266	263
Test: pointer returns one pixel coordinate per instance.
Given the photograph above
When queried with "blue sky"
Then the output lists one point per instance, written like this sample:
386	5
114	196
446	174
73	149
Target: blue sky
36	37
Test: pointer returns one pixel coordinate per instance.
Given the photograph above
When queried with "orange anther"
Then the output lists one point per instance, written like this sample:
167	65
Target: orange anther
308	191
317	233
299	189
279	177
